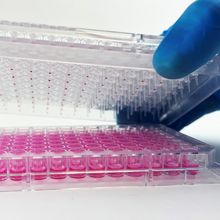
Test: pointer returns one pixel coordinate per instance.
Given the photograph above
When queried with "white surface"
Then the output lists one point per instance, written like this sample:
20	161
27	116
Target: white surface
167	203
206	129
155	203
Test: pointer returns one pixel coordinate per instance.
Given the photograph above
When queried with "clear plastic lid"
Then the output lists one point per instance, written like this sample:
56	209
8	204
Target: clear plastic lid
90	74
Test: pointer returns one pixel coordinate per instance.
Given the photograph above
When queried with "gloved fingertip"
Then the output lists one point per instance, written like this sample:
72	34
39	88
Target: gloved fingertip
191	42
169	66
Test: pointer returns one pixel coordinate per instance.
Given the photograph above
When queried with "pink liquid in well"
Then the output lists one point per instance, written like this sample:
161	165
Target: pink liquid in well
173	165
156	164
190	164
37	137
38	167
3	169
96	163
135	162
37	142
38	148
77	164
17	168
75	148
39	163
55	142
5	141
94	147
73	142
115	163
172	162
58	165
193	165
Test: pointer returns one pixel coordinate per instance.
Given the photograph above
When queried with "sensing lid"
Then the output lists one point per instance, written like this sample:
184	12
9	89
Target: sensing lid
90	74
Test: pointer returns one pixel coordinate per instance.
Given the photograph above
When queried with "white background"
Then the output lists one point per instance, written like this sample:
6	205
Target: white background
182	202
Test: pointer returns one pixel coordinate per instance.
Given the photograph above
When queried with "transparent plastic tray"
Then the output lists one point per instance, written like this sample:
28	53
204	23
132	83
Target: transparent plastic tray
75	157
90	74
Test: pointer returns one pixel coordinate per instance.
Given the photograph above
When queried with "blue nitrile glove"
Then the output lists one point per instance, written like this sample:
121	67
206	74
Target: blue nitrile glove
192	41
